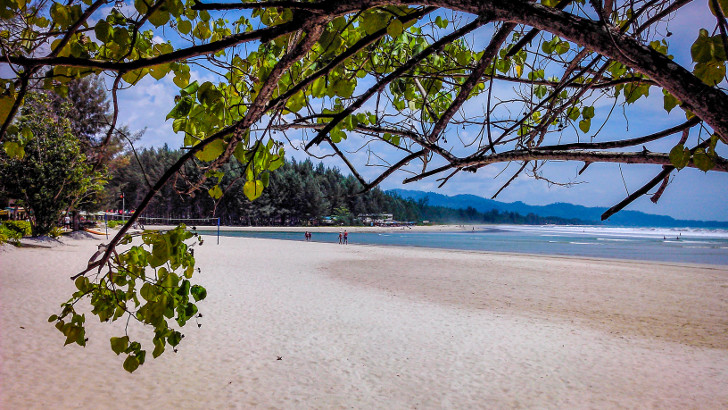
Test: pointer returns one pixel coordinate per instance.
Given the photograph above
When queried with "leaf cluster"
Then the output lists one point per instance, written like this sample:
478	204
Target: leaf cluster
150	283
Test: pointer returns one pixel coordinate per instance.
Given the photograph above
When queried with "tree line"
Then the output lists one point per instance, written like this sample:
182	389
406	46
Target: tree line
297	193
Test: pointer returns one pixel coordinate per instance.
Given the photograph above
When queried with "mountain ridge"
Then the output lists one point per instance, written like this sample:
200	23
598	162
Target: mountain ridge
558	209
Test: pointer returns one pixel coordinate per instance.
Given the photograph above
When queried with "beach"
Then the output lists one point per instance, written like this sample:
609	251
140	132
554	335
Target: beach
382	327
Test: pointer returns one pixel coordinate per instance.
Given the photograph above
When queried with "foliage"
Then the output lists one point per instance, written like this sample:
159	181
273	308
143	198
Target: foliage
48	173
13	231
91	114
298	193
113	224
149	282
386	78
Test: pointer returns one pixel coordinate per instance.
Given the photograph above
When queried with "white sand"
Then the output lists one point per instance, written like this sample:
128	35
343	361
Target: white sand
384	327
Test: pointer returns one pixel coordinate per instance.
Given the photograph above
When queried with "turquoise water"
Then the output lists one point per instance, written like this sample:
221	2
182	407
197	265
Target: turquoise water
665	245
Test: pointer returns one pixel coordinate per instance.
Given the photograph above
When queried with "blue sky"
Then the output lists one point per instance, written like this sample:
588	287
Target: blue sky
692	194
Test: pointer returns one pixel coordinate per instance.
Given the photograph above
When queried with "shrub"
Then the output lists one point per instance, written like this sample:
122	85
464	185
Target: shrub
12	231
114	224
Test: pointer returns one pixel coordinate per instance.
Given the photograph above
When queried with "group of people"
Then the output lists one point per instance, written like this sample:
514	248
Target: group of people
343	237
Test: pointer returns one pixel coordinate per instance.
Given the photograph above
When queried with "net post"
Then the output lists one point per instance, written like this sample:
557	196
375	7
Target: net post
218	230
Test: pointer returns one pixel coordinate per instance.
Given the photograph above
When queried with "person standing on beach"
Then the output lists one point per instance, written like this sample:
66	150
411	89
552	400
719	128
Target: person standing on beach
346	238
340	236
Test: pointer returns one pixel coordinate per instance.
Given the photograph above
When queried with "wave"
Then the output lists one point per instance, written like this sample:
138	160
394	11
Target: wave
623	232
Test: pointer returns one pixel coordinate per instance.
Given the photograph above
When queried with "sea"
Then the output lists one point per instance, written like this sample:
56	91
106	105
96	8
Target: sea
689	245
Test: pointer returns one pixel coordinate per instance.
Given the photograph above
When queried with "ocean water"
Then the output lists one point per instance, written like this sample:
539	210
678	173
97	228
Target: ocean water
651	244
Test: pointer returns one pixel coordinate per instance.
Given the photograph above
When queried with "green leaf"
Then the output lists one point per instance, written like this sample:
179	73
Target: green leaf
337	135
296	102
372	21
179	124
119	344
184	26
253	189
159	17
587	113
159	71
147	291
182	108
710	73
441	22
202	30
102	30
158	347
702	49
82	283
573	113
141	6
213	150
61	14
6	104
584	125
562	48
547	47
14	150
181	79
215	192
702	160
670	101
174	338
190	89
679	156
198	292
395	28
207	94
131	363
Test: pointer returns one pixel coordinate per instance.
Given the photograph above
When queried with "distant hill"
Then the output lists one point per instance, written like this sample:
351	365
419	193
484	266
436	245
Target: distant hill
560	209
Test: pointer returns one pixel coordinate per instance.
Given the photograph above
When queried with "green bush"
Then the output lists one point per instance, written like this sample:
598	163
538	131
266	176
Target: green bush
56	232
12	231
114	224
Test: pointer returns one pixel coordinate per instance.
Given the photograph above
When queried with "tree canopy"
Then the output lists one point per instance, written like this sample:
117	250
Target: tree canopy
50	173
432	87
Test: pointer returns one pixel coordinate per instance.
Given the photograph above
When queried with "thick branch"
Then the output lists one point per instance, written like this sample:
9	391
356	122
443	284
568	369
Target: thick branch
585	156
262	35
625	143
638	193
404	161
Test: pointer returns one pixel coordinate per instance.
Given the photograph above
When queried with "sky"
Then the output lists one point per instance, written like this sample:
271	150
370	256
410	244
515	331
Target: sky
692	194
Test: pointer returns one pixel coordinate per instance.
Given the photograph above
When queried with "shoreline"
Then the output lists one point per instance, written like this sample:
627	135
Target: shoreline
383	326
595	259
211	232
354	229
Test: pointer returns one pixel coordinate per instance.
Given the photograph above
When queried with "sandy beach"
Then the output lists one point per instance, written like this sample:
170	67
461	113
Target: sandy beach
383	327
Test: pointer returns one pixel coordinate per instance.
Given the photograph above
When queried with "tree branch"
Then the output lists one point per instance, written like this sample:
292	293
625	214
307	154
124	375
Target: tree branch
434	47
